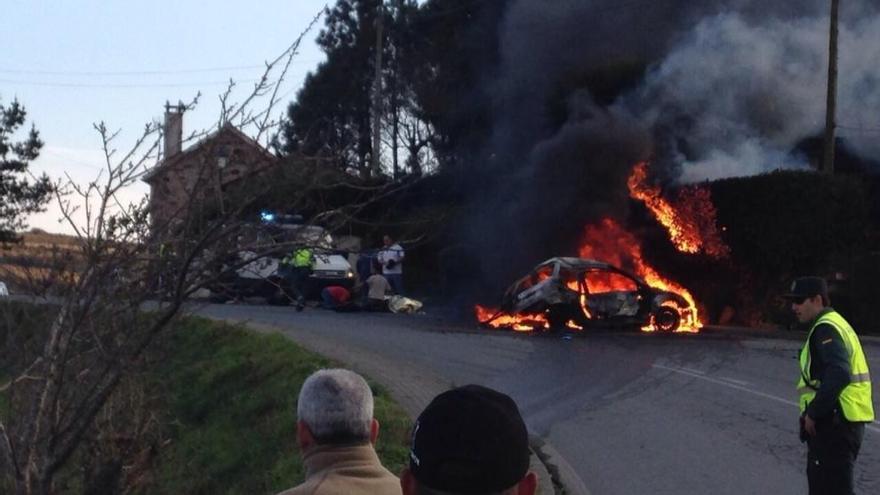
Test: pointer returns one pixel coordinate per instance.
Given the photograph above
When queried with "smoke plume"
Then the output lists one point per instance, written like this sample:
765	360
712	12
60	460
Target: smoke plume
706	89
740	96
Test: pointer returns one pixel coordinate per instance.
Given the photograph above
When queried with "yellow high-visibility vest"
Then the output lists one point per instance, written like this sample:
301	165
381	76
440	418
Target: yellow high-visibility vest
302	257
855	398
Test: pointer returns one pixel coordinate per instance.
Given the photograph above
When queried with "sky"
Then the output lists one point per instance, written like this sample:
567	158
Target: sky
76	63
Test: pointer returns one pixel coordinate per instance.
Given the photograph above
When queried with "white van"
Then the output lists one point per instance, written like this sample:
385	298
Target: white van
260	277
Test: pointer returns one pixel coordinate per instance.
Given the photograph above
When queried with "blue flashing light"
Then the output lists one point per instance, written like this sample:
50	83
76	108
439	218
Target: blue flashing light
267	216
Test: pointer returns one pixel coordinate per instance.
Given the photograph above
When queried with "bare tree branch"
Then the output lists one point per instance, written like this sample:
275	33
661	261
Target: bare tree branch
106	318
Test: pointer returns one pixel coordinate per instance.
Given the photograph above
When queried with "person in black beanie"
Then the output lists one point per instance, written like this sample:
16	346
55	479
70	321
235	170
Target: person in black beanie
469	440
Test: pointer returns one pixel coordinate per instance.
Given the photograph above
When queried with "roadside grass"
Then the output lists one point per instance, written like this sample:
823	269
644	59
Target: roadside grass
232	411
226	406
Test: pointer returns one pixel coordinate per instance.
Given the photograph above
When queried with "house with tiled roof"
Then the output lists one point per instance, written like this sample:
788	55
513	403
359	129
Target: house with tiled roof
201	177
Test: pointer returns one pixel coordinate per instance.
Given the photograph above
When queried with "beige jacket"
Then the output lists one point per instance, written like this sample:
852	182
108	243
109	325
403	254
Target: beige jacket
378	287
345	470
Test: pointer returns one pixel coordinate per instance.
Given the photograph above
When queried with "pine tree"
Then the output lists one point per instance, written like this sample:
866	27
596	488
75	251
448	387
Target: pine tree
20	193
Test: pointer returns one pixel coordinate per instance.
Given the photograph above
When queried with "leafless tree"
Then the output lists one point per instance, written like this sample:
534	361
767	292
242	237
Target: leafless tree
403	130
417	136
126	281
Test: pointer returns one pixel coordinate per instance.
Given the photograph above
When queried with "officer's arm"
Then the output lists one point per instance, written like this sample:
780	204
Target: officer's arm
830	348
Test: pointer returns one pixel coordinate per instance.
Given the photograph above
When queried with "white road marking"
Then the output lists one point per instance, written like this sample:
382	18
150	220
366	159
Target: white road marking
691	370
733	380
726	383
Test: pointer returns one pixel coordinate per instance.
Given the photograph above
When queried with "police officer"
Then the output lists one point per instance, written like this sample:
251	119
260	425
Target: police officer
834	388
298	267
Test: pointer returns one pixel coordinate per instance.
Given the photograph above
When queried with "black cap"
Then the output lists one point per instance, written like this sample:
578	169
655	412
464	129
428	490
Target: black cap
804	287
471	439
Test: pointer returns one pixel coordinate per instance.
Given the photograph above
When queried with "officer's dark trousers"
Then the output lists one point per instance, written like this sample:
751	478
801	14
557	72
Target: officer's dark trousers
832	454
295	280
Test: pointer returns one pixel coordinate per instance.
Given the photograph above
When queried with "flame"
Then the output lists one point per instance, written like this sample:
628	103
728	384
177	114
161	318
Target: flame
609	242
690	222
521	323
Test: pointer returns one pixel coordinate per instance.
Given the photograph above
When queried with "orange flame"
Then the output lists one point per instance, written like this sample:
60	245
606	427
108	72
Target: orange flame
520	323
690	223
609	242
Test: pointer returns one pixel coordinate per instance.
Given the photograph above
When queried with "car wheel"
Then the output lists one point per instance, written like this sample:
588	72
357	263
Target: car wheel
667	319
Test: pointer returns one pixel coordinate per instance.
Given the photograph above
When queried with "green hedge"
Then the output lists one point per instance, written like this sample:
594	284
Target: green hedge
787	223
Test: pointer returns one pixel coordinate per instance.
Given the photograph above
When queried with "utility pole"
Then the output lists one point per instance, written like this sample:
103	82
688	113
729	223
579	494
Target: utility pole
831	106
377	92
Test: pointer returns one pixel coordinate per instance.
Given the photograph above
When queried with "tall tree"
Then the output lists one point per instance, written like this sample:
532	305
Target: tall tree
19	196
404	126
451	55
437	59
331	115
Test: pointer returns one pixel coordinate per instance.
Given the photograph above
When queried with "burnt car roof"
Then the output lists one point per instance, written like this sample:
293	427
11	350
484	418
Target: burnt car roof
578	263
585	264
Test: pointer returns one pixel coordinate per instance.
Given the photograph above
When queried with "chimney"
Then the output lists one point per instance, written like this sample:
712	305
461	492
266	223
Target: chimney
173	129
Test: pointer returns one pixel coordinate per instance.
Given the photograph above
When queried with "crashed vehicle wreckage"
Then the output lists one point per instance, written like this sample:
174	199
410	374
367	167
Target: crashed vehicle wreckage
584	293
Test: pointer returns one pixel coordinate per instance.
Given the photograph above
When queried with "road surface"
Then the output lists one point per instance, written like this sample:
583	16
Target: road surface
621	413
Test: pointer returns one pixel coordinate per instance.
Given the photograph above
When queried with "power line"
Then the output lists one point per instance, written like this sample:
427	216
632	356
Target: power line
861	129
133	85
73	161
139	72
858	134
123	73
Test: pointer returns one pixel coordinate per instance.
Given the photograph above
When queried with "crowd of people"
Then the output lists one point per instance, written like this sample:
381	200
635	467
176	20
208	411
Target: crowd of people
468	440
379	278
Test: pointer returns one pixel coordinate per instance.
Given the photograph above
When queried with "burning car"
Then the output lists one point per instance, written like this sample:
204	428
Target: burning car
583	293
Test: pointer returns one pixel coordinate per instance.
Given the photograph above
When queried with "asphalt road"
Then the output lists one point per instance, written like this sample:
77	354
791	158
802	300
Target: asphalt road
621	413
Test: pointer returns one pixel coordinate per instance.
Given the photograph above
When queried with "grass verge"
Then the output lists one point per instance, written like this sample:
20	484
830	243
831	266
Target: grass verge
231	396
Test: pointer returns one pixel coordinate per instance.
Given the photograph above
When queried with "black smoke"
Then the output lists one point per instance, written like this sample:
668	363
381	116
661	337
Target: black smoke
709	89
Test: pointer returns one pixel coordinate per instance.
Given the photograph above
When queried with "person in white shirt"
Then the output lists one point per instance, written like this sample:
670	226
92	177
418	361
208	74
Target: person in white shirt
391	258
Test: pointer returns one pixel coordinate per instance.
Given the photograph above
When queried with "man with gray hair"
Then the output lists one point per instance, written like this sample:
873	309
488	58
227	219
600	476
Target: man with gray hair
336	432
